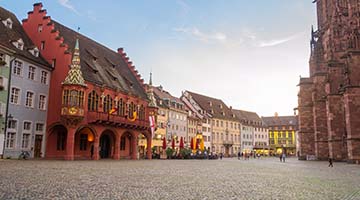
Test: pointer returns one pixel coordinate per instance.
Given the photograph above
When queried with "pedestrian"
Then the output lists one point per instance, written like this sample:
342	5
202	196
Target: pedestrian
280	157
239	155
221	156
330	162
92	151
283	157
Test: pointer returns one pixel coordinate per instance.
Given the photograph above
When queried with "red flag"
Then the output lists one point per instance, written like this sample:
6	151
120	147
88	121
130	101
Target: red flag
192	143
181	143
164	143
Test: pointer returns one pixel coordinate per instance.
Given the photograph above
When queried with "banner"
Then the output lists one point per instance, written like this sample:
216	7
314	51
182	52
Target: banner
152	125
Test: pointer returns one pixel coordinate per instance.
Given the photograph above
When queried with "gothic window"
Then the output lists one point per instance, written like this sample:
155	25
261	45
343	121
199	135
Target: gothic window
108	103
121	107
131	109
73	98
93	101
65	97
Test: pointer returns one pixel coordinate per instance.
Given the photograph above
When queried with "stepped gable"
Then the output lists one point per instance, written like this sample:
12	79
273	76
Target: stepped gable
103	66
247	116
216	107
281	121
7	36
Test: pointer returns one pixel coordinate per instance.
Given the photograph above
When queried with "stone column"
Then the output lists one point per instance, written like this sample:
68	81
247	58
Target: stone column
96	148
149	150
70	144
117	146
134	146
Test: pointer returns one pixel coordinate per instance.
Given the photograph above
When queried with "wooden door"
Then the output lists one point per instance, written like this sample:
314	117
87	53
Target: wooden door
38	144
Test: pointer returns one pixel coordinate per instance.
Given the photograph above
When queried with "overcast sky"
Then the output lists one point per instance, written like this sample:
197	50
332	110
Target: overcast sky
250	54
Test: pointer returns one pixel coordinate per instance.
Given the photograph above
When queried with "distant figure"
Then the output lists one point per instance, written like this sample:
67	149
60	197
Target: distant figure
280	157
283	157
92	151
330	162
239	155
221	156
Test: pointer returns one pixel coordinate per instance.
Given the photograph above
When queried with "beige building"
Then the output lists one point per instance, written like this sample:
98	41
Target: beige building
224	124
174	116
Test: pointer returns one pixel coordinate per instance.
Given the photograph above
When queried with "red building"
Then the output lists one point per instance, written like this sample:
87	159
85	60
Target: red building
329	100
98	104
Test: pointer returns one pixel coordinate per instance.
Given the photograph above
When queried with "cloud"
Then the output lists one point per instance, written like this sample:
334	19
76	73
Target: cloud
66	4
202	36
278	41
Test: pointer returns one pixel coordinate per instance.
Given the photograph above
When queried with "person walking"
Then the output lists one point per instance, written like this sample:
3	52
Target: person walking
221	156
280	157
239	155
330	162
283	157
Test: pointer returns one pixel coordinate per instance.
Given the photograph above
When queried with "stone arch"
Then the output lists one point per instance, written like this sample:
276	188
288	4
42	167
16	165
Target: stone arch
128	145
56	141
84	142
144	145
107	143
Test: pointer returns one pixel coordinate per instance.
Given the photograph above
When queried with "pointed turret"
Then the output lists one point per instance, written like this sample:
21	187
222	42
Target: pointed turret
150	93
74	76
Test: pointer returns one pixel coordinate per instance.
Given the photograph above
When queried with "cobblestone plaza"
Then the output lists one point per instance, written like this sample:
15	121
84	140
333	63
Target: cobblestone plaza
178	179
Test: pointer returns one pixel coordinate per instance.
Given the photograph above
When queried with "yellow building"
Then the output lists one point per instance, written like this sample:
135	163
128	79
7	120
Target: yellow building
282	134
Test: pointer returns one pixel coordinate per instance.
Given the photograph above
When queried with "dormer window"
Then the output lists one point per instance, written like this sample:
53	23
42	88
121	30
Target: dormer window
210	103
19	44
34	52
8	23
221	106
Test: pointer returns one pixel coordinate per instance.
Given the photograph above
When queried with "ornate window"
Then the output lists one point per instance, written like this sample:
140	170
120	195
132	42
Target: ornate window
108	103
93	101
73	98
121	107
131	110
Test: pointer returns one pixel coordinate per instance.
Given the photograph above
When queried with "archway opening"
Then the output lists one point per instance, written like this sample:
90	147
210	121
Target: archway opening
84	144
56	142
106	144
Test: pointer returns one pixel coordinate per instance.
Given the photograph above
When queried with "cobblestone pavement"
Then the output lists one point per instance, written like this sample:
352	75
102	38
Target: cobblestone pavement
178	179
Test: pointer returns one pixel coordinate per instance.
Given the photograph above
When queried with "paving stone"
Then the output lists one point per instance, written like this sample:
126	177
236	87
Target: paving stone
265	178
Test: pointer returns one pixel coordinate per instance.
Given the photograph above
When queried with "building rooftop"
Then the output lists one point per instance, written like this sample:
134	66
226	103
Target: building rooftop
216	107
13	34
103	66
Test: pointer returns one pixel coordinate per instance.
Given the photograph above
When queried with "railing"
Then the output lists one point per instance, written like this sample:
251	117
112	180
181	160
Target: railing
92	117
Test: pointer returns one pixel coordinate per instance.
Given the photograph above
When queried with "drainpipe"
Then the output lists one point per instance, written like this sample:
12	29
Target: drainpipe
7	104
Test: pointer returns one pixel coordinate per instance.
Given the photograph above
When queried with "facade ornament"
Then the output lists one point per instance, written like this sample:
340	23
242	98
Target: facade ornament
74	76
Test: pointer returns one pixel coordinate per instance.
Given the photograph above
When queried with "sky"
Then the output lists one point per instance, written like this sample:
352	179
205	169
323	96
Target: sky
250	54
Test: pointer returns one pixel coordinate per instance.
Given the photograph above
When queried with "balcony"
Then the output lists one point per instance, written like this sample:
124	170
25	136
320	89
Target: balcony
228	143
116	120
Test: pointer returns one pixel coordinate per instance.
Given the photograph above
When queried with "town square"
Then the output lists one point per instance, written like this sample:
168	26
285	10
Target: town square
180	99
230	178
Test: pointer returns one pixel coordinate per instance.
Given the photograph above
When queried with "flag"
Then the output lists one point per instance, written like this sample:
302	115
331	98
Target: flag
112	111
152	124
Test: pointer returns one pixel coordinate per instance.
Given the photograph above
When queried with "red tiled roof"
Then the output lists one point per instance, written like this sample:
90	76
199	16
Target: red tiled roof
216	107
